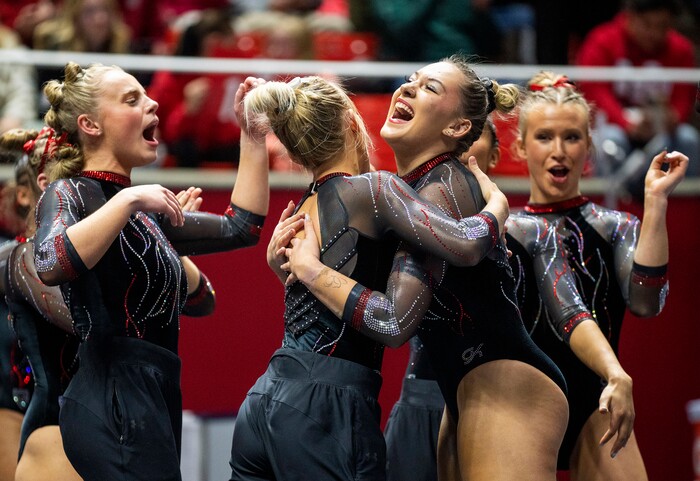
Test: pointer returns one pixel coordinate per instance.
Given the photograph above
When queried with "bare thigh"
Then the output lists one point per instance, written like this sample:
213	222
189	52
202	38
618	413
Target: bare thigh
591	462
10	425
511	423
44	459
447	454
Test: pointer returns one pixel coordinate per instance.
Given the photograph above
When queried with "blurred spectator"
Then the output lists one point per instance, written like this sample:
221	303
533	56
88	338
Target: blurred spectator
515	21
24	15
18	88
149	20
85	26
81	26
559	31
427	30
196	110
638	119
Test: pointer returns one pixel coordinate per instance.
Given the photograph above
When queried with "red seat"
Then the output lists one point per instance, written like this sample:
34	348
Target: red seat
510	164
250	44
345	46
374	108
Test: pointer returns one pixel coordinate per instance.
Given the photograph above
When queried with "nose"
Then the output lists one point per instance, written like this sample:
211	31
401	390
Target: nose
558	148
152	106
407	88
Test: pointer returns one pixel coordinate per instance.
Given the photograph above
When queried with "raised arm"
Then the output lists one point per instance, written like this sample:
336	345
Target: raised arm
201	300
647	282
252	189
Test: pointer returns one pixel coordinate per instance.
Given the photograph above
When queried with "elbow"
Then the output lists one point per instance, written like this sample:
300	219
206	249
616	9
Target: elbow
645	310
48	279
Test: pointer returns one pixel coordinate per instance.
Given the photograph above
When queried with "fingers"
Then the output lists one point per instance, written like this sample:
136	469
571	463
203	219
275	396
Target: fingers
173	209
474	167
287	211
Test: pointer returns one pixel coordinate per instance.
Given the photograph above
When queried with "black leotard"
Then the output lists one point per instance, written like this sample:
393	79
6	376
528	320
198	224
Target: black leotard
138	287
600	244
16	377
325	377
122	411
467	315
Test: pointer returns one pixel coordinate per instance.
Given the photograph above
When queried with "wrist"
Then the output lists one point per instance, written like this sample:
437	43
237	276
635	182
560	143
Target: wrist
618	376
310	272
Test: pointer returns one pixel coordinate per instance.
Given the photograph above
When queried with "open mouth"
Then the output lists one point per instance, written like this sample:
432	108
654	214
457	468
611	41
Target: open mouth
150	132
559	172
402	111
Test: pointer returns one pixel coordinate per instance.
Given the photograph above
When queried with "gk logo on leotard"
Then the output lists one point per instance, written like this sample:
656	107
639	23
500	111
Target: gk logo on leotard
469	355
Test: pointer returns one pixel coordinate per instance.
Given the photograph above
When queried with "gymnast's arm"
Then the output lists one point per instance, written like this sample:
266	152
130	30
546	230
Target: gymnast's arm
25	287
572	320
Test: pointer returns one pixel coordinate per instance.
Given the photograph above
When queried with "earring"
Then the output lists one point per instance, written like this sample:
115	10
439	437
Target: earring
448	132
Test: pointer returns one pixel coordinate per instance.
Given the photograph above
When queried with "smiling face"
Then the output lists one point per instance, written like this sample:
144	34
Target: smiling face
422	109
125	120
556	144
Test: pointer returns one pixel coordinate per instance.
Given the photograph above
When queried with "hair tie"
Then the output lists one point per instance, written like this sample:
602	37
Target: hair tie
52	143
491	95
562	82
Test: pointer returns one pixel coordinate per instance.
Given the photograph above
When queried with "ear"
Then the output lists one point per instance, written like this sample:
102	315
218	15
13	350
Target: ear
89	126
520	148
24	196
42	181
494	157
458	129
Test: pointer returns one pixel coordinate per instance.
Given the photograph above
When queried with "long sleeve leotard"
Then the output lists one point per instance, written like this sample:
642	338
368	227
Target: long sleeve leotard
600	245
138	288
362	218
16	382
465	316
45	332
545	284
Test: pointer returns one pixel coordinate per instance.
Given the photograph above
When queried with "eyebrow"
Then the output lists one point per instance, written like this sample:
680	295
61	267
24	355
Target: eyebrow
131	91
433	79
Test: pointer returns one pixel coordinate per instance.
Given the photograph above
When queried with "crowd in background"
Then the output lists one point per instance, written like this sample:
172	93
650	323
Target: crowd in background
634	119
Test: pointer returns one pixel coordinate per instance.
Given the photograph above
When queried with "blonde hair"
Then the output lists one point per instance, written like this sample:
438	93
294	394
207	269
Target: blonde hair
77	94
480	96
29	152
62	33
310	116
548	87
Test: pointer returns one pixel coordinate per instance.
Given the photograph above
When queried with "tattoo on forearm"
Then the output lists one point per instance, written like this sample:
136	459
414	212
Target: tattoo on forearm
330	278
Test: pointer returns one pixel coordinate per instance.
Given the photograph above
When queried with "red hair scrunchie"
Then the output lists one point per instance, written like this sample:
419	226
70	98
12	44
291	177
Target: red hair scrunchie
562	82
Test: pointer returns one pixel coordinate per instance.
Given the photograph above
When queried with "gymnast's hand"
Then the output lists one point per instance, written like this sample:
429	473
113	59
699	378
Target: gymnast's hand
304	256
496	201
155	198
285	230
190	200
660	183
256	130
616	401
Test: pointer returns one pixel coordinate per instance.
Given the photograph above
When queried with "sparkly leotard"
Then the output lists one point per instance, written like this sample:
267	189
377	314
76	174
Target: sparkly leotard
465	316
122	410
45	332
600	244
539	259
322	385
16	383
